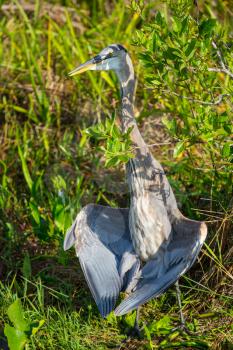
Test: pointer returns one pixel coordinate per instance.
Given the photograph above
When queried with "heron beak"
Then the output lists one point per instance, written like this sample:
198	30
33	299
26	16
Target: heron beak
89	65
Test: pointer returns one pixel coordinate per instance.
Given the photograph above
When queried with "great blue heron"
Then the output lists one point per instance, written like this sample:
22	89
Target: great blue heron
143	249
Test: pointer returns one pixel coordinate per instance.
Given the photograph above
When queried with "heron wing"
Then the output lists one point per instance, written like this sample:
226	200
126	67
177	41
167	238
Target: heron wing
100	270
101	238
159	274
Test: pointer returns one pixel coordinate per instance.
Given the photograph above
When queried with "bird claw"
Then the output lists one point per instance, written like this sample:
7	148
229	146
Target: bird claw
134	332
182	327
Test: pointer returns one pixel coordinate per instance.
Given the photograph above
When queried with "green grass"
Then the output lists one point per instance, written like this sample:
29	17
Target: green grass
59	296
49	169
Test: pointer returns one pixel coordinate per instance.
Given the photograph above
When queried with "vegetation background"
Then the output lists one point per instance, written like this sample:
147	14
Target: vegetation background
59	151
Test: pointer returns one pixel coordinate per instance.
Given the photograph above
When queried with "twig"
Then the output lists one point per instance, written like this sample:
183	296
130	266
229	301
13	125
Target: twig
159	144
219	55
214	103
156	144
219	70
224	69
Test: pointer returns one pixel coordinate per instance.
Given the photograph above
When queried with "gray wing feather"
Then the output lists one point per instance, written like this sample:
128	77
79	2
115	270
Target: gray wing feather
129	270
100	270
149	289
101	237
69	237
158	275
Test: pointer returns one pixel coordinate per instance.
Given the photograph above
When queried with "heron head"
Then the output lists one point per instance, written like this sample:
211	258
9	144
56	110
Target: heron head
110	58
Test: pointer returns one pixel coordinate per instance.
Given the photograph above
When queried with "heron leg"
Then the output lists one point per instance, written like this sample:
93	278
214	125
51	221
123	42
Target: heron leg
178	295
136	323
182	325
135	331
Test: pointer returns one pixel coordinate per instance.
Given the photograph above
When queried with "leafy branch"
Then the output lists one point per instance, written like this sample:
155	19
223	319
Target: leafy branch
115	145
176	53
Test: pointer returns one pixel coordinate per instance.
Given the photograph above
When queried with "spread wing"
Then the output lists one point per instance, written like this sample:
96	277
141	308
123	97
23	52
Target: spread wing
165	269
102	241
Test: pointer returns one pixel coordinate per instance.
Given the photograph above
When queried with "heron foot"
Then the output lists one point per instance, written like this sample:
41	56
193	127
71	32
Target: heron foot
183	328
134	332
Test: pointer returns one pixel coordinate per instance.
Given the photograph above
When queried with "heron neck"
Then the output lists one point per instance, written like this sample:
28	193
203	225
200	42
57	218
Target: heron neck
127	86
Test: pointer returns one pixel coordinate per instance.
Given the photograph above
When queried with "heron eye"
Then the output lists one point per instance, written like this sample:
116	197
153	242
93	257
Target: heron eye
97	59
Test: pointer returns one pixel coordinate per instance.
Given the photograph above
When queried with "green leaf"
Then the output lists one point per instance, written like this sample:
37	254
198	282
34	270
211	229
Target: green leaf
163	323
112	162
124	158
27	269
184	25
145	57
15	337
148	336
226	150
189	52
172	53
25	169
112	318
20	109
36	185
59	216
128	132
156	82
107	78
207	26
83	140
16	315
35	326
130	319
178	148
159	19
170	124
35	212
59	182
198	344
